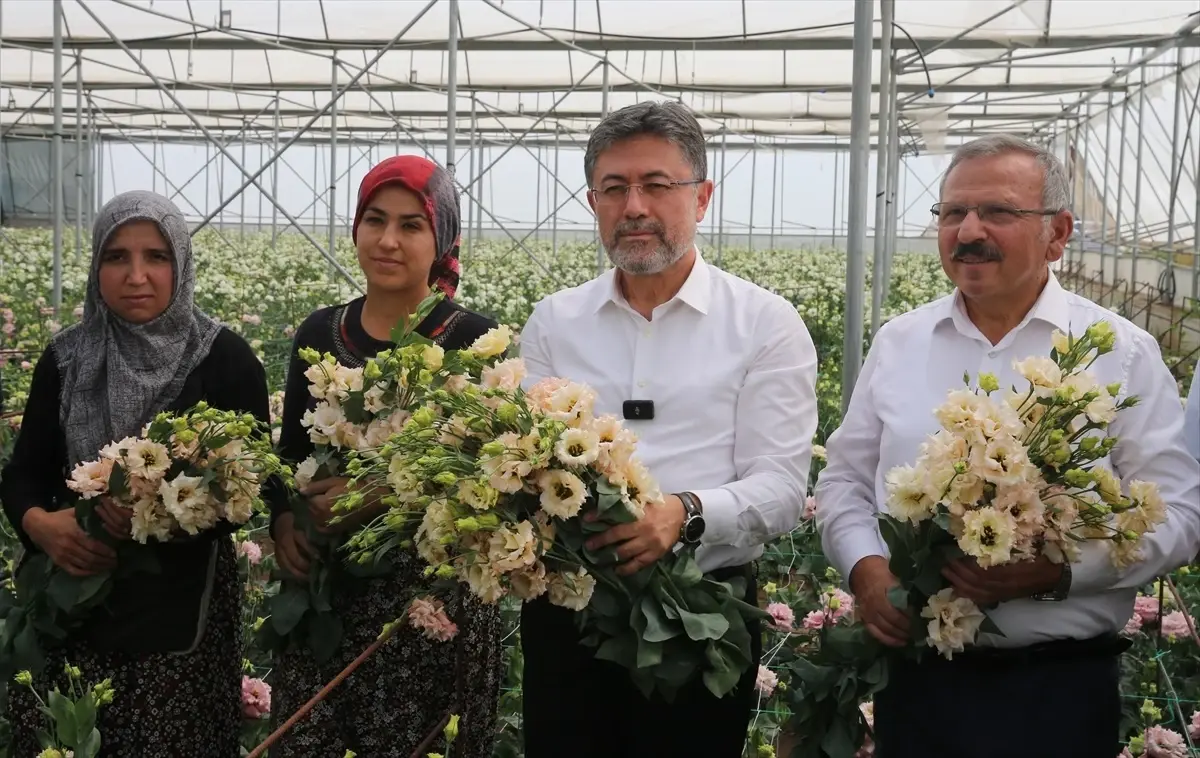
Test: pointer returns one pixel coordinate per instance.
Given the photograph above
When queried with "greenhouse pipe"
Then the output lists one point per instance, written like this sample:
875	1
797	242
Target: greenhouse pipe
274	176
468	229
774	198
1104	196
893	180
1116	257
753	182
881	165
452	89
56	162
1137	187
554	202
721	201
251	180
1176	165
949	40
858	164
78	157
333	146
600	253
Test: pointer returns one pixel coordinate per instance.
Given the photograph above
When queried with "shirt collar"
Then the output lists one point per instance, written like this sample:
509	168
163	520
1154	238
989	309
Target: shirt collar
696	291
1051	307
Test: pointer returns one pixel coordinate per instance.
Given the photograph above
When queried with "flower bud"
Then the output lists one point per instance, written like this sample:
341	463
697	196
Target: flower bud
451	730
770	588
24	678
988	382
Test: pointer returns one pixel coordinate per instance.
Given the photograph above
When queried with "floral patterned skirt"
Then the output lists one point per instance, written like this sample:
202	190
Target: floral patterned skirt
164	705
401	693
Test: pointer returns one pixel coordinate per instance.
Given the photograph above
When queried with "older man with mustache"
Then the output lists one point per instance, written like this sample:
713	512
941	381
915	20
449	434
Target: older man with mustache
716	377
1049	685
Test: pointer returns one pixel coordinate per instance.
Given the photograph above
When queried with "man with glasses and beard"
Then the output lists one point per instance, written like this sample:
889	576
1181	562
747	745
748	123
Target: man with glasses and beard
1002	221
716	376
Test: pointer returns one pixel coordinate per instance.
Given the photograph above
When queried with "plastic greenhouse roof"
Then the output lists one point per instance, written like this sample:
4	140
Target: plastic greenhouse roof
774	69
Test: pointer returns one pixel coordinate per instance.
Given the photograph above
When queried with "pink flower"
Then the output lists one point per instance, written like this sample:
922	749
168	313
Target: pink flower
781	615
1163	743
839	604
810	508
429	616
252	319
814	620
766	681
289	330
1146	607
251	550
256	698
1132	626
1194	727
1175	624
1125	754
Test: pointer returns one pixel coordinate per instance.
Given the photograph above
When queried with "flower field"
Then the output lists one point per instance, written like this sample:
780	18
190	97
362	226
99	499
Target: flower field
264	292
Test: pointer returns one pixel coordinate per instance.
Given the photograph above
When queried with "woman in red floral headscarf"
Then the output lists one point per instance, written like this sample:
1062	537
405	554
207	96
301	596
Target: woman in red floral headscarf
406	230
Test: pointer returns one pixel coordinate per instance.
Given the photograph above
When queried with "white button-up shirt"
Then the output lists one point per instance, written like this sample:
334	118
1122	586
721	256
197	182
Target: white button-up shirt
920	356
731	370
1191	415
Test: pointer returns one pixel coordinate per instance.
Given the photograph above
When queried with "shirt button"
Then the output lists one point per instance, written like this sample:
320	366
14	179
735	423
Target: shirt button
642	383
646	332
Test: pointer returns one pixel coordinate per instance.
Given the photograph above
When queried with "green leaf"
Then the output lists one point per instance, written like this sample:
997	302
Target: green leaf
89	747
686	572
837	740
118	481
604	601
620	649
723	675
658	627
85	715
288	607
63	590
63	713
648	653
26	649
324	635
321	590
90	587
352	407
703	626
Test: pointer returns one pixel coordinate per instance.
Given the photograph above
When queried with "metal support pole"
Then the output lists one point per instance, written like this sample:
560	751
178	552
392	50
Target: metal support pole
554	211
603	115
1086	172
452	88
721	200
1176	163
470	214
1104	192
893	180
78	156
275	176
1137	187
56	161
242	204
858	164
753	181
333	115
774	195
1116	253
881	164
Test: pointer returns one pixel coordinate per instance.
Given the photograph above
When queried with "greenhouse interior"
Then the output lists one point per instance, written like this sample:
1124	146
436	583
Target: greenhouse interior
829	127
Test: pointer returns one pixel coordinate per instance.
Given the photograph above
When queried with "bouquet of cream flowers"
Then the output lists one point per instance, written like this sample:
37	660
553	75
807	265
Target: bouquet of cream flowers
1013	476
490	486
185	473
1010	476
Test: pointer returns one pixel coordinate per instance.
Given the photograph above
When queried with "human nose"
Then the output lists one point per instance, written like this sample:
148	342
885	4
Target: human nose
971	228
635	203
390	239
137	270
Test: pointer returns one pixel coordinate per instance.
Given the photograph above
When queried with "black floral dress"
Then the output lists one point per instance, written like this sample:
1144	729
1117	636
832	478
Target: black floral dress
402	693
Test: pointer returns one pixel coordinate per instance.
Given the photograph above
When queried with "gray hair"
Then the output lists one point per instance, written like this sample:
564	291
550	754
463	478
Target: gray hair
667	119
1056	193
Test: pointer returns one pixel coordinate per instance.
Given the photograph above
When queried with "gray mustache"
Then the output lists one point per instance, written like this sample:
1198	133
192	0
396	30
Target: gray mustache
983	251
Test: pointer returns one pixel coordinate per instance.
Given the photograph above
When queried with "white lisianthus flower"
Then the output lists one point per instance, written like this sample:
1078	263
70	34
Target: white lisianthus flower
505	375
484	581
639	489
529	582
495	342
319	376
1103	409
148	459
818	452
1108	486
401	479
1003	460
239	507
116	450
577	447
90	478
1060	342
1041	372
563	493
1148	499
432	357
572	589
436	524
479	495
150	519
512	548
373	399
960	412
954	622
906	499
571	404
186	500
306	471
988	535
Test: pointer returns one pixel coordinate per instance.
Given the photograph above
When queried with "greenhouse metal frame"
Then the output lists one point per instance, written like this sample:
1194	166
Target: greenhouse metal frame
1116	98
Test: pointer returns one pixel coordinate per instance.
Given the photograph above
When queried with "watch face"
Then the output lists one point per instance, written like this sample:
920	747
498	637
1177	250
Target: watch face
693	530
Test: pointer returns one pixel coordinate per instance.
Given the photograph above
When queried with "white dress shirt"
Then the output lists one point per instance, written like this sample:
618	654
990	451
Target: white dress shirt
1191	415
731	370
918	357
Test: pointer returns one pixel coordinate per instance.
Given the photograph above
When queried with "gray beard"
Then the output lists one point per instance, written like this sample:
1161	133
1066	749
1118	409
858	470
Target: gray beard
638	264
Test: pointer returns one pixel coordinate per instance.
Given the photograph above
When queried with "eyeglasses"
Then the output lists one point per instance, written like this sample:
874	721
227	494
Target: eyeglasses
995	214
617	194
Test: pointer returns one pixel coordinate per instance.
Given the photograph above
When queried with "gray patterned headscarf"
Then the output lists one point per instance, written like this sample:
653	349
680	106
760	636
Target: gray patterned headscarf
117	375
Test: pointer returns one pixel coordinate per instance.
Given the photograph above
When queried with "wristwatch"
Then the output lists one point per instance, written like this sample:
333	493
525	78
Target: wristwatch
1059	593
693	519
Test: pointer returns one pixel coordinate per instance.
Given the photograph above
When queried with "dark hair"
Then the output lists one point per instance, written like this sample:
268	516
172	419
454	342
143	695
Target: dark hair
668	119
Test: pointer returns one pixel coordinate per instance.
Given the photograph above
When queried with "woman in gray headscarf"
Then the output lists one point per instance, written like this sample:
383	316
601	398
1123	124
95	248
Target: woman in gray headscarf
169	640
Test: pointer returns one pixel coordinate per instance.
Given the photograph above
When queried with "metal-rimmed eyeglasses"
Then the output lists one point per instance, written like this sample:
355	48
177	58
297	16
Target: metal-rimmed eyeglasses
995	214
617	194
